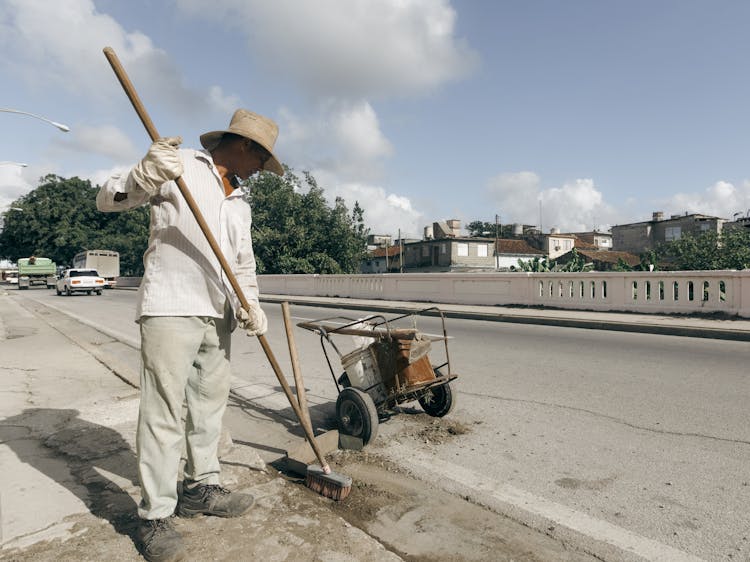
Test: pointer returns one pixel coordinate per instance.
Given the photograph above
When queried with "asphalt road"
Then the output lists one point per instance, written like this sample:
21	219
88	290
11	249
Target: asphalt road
640	442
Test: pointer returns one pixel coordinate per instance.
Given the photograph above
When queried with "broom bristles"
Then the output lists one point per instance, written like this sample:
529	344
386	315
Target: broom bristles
332	485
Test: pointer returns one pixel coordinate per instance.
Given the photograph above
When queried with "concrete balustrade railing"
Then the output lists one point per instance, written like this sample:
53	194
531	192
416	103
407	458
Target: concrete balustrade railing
643	292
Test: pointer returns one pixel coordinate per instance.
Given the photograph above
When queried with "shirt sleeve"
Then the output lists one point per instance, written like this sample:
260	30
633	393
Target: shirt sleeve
119	184
245	272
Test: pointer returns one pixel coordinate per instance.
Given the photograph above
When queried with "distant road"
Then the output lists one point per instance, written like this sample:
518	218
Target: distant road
628	439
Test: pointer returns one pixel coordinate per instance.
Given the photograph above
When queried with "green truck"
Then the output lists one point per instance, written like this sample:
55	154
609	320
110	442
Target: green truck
36	271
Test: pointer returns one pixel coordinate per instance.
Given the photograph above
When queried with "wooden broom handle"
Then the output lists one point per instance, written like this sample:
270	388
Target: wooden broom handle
294	359
140	109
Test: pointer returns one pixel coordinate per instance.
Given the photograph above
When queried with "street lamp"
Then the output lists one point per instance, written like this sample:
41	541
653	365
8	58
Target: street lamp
63	128
9	163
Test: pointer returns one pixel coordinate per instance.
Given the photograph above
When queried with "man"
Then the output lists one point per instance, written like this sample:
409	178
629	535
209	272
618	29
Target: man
186	311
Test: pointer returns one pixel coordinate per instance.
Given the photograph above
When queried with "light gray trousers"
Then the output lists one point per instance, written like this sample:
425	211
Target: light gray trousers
184	360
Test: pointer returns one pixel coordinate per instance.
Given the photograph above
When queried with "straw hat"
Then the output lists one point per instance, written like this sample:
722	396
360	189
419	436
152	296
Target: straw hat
251	126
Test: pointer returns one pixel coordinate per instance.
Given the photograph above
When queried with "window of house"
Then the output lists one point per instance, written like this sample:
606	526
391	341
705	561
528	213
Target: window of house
462	250
482	250
425	251
567	244
672	233
443	248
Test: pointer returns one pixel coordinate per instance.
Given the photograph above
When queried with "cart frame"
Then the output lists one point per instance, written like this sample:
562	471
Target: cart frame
380	329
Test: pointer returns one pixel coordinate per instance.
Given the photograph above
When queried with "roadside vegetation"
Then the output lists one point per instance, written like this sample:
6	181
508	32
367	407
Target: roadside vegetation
59	218
294	229
729	249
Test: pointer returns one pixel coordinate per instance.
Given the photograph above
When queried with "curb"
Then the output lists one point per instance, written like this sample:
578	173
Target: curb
643	327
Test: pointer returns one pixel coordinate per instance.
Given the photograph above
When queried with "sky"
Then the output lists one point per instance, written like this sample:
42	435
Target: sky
576	115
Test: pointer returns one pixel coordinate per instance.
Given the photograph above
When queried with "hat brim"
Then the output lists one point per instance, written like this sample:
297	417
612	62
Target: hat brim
209	141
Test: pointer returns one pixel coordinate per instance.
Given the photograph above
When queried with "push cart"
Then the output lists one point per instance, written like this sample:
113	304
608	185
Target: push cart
389	365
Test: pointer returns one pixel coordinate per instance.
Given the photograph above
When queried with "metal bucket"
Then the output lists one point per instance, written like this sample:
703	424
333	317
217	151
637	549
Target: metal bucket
362	368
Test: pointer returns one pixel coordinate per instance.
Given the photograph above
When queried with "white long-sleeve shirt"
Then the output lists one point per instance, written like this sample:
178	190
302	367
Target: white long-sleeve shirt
182	275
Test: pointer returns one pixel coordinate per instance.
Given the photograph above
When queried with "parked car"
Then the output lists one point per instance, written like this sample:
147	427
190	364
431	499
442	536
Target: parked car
12	277
80	281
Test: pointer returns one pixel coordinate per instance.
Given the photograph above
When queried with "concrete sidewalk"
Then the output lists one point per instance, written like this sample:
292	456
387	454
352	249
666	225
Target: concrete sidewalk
69	487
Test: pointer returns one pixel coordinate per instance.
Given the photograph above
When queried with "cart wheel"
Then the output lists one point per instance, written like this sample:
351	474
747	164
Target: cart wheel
438	401
357	415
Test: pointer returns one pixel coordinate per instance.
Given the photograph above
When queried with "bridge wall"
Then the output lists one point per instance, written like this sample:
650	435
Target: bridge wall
685	292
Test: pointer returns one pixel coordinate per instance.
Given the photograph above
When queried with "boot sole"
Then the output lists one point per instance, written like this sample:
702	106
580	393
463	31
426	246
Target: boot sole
175	558
190	513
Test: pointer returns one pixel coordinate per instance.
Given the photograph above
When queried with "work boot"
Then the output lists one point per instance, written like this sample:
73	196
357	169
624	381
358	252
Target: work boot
210	499
159	541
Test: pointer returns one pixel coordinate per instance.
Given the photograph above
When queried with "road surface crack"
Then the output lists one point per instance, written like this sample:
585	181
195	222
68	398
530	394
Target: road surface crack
612	418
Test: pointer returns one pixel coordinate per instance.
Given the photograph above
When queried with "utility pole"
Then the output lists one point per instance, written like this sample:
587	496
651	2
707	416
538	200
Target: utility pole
497	237
386	255
400	253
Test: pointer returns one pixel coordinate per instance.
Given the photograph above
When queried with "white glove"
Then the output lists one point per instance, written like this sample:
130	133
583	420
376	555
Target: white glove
254	320
161	164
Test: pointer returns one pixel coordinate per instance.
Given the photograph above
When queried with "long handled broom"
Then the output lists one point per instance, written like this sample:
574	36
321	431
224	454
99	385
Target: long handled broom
321	480
299	384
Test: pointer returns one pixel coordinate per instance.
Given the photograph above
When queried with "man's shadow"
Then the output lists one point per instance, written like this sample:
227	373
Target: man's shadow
100	461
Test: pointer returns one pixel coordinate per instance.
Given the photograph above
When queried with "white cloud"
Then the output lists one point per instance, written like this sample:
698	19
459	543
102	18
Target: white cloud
226	103
385	213
98	177
574	206
350	49
106	140
342	145
357	132
52	45
339	137
722	199
13	184
579	205
342	55
516	196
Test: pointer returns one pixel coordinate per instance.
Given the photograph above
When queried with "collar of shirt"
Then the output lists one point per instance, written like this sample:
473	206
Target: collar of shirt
206	157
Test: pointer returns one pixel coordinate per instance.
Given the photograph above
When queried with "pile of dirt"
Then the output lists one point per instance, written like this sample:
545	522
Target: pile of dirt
433	431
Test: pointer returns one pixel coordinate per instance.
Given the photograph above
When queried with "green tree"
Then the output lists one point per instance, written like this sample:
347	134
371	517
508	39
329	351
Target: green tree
59	218
622	265
649	261
536	265
735	248
482	229
577	263
126	233
729	249
295	231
